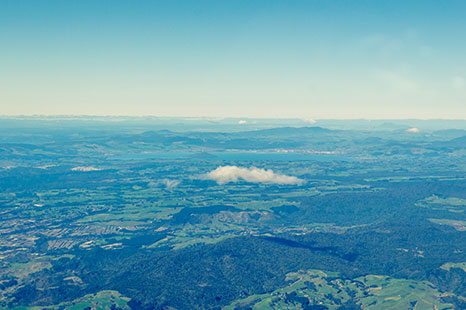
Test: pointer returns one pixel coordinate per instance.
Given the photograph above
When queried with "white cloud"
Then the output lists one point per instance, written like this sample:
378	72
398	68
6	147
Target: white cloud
458	82
310	121
168	183
413	130
242	122
81	168
226	174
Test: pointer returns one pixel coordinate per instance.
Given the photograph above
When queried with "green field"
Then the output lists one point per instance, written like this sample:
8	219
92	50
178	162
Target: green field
103	300
326	290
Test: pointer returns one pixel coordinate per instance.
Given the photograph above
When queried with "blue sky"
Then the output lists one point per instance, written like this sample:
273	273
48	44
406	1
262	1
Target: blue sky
305	59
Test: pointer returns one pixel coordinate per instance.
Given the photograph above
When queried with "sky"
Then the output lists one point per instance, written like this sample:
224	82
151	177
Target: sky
272	59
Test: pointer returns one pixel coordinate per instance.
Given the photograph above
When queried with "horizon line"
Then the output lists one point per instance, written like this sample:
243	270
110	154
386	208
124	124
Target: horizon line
309	120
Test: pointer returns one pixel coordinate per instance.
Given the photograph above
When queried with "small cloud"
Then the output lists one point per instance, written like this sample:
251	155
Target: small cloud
309	121
45	167
169	184
82	168
227	174
413	130
458	82
242	122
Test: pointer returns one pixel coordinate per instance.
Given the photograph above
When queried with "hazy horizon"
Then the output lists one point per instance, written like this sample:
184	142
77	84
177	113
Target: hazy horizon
215	118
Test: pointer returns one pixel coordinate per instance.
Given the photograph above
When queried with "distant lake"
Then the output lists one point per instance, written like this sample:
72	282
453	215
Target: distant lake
236	156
